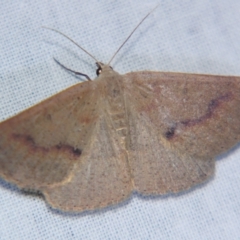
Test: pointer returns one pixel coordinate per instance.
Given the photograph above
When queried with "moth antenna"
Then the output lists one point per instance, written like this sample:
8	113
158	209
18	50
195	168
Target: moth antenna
89	54
131	35
70	70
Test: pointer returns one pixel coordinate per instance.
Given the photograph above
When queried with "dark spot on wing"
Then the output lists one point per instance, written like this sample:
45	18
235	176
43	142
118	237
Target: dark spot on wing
77	151
170	132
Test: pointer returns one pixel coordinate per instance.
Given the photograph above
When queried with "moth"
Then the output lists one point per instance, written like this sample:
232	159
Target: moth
93	144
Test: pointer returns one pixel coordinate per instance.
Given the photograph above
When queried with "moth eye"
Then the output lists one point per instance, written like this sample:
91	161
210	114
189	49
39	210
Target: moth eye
98	71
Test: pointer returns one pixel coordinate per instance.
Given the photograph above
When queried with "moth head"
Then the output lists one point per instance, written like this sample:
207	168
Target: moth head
100	67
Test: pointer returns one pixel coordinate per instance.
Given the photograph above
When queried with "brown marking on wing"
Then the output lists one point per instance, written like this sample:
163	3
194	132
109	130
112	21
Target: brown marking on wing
27	140
212	107
86	120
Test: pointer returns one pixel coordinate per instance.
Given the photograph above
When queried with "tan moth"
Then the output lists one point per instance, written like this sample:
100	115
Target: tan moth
96	142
